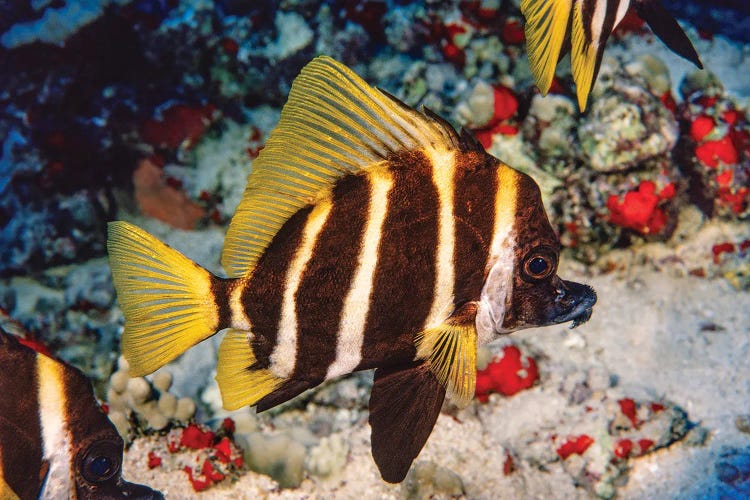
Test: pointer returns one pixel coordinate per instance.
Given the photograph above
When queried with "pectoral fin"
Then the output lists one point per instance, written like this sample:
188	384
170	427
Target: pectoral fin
6	492
665	26
451	354
404	405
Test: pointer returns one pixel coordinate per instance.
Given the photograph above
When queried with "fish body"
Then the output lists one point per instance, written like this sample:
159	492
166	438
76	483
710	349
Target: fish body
55	440
370	235
554	27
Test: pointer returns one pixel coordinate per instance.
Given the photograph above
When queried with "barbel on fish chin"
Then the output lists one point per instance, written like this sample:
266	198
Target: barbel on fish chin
370	235
554	27
55	440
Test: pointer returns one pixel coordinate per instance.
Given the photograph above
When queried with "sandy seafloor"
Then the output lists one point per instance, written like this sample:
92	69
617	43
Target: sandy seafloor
650	331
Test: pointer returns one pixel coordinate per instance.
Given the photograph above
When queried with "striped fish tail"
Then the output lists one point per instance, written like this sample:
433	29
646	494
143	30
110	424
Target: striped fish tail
169	302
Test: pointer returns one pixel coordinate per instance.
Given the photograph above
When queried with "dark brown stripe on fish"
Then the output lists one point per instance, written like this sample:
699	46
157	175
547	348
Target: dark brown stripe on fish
20	449
221	290
328	276
610	16
264	292
588	8
86	422
403	288
474	209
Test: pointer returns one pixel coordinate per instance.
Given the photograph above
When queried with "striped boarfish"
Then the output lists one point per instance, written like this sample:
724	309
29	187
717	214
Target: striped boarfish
55	440
553	27
370	235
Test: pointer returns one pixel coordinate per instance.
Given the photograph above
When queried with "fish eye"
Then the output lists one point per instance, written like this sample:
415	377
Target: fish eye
101	462
539	264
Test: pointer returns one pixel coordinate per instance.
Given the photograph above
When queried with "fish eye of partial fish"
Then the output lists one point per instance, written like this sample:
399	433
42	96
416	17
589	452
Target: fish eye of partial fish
100	462
539	264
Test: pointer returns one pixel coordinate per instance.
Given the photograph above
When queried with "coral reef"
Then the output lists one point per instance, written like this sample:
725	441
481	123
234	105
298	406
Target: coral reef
156	110
139	405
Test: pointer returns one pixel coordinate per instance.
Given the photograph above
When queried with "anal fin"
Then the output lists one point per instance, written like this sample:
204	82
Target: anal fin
241	383
287	390
404	405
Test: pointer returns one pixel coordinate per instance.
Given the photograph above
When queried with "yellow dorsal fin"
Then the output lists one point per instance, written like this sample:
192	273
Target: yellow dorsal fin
240	384
546	26
451	351
333	124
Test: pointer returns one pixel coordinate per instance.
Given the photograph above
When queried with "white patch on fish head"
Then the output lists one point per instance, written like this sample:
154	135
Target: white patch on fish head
496	290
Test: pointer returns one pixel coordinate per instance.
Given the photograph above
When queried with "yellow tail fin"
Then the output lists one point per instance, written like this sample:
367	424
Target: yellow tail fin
166	298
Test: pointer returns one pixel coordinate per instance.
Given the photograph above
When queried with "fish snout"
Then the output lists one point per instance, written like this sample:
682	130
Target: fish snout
574	302
139	492
119	490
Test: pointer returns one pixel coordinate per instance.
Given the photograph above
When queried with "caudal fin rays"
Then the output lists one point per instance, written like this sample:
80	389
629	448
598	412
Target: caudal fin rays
167	299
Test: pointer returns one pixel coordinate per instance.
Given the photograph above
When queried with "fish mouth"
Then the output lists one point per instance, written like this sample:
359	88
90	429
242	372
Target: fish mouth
574	302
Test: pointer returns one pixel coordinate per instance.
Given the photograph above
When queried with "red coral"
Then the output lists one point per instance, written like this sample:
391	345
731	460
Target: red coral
656	407
506	104
639	210
506	129
228	425
178	124
644	445
154	460
623	448
199	483
173	446
667	191
721	248
737	200
196	438
223	450
710	153
730	116
667	99
725	178
512	32
701	127
453	54
211	473
574	444
506	375
628	408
